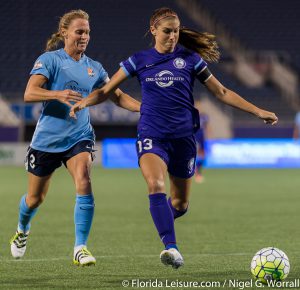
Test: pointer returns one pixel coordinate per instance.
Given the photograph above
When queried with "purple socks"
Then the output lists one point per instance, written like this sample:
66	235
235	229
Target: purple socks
163	218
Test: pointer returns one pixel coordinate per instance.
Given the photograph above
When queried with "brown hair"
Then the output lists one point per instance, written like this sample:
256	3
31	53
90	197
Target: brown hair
203	43
64	23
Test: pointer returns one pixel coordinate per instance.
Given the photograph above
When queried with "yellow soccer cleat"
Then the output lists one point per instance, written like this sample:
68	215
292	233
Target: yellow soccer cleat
83	257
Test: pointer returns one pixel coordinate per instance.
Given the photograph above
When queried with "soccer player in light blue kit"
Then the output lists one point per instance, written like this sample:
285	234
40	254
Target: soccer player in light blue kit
58	79
166	143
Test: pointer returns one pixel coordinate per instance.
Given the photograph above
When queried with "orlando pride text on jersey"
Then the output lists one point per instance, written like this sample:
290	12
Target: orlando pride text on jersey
167	82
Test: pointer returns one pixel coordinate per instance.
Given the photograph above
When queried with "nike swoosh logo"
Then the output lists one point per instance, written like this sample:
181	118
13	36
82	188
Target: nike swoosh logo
148	65
88	147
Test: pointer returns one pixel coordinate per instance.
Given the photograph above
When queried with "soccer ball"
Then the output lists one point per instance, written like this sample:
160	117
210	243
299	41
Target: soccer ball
270	264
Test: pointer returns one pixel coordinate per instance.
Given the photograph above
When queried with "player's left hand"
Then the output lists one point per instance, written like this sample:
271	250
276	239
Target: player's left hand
77	107
268	117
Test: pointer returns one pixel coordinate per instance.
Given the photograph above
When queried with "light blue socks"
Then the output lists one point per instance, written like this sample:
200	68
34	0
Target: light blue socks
25	215
83	217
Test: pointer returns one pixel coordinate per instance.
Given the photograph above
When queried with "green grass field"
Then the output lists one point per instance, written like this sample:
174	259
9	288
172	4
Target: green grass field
233	214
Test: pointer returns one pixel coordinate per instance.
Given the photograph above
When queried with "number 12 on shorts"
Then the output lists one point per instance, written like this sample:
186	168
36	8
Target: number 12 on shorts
145	144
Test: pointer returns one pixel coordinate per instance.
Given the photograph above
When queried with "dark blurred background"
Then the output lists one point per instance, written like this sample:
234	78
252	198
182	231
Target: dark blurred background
258	39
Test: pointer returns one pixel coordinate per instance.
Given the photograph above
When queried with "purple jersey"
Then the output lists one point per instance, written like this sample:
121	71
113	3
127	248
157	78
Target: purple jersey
167	81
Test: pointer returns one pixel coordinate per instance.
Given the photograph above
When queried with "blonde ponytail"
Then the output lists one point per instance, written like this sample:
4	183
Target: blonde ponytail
53	41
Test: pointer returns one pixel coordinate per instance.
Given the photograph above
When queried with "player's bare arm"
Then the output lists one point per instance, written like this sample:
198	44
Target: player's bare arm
36	93
100	95
125	101
233	99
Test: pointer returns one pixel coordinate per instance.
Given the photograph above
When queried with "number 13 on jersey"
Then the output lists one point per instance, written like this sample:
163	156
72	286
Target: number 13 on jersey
145	144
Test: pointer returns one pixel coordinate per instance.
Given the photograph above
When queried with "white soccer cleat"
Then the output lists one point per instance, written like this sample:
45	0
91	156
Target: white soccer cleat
83	257
171	257
18	244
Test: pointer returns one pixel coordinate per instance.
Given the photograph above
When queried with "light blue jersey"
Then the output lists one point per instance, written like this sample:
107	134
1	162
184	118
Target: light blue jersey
55	130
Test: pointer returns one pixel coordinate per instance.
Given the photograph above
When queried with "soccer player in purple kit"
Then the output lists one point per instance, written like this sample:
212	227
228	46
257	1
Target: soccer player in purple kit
166	142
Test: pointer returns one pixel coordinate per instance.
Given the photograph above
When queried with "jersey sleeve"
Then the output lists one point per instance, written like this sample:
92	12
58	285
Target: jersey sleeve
44	65
102	79
129	66
201	70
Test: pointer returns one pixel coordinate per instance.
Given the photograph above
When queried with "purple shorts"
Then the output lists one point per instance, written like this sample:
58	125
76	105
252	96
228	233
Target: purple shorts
179	154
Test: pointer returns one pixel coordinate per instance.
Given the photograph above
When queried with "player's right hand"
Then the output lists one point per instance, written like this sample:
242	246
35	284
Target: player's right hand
268	117
77	107
67	96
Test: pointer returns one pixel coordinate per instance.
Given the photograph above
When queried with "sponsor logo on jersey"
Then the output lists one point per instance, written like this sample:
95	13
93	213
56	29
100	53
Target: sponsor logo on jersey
37	64
90	72
164	79
179	63
74	86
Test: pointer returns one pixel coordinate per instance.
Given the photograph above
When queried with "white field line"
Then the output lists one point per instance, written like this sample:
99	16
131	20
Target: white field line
119	257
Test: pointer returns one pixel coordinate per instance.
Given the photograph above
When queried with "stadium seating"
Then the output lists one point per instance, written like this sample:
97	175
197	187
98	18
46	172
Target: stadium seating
118	28
117	31
262	25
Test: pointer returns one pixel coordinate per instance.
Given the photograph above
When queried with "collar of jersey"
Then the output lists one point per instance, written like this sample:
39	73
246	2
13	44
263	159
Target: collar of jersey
71	58
168	53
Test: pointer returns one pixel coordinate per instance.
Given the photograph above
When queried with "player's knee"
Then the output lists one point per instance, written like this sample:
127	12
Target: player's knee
35	201
156	185
180	204
83	184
